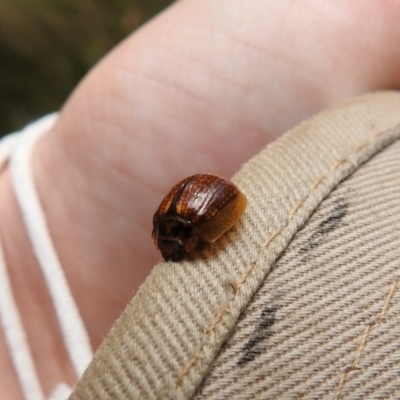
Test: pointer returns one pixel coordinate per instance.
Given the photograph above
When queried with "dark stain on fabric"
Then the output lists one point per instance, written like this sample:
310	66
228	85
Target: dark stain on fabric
256	343
328	224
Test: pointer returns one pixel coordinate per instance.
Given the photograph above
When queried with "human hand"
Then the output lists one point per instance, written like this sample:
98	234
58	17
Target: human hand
202	88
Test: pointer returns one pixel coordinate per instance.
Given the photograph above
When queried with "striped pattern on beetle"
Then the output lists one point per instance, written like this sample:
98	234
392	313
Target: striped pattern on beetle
199	208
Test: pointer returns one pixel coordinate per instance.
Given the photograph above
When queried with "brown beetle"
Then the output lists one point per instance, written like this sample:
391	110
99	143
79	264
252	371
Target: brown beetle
200	207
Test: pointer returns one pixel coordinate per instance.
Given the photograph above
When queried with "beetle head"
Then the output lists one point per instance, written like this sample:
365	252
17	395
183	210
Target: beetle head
175	238
172	249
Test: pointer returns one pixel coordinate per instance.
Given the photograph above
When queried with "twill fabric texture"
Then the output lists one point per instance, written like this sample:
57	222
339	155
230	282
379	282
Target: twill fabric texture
325	323
300	299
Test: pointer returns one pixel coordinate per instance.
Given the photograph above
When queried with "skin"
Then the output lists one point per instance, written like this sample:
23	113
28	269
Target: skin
201	88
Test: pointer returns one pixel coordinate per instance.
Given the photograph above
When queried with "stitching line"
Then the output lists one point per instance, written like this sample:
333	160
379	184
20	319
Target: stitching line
217	318
364	337
242	279
188	366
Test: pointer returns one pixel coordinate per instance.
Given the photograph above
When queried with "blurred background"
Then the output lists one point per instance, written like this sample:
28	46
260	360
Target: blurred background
46	46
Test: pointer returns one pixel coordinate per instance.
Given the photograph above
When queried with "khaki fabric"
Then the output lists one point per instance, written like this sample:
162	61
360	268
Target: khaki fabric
325	324
167	344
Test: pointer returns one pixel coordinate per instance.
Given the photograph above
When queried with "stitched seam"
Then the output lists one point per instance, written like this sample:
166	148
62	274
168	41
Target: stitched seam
242	279
364	338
